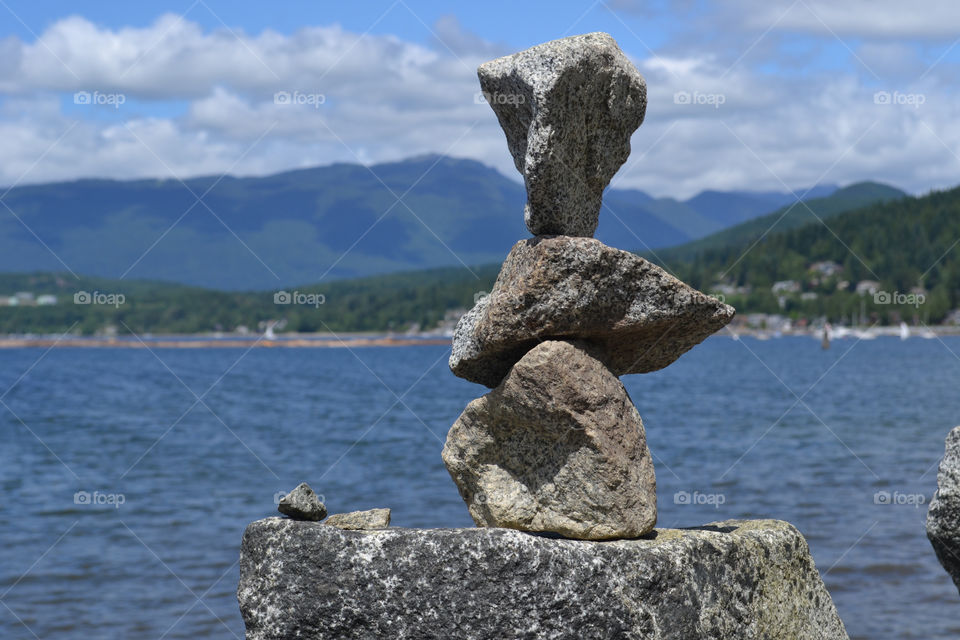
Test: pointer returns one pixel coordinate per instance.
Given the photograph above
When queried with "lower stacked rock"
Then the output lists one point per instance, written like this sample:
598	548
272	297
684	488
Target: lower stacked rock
557	447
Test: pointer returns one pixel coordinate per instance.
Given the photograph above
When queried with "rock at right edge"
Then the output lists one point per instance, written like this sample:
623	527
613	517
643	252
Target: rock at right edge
943	519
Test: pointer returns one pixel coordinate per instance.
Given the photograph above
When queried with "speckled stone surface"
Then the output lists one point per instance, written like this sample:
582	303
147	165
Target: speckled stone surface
749	580
558	447
943	518
361	520
564	287
568	108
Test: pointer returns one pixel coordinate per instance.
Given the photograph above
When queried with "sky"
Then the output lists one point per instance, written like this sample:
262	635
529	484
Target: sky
777	95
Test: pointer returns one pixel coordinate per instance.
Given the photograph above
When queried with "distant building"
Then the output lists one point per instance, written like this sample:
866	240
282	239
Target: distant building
953	317
46	300
785	286
770	321
826	268
808	295
24	297
728	289
865	287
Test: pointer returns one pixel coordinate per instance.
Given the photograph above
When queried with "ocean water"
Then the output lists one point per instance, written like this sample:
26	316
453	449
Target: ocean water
128	476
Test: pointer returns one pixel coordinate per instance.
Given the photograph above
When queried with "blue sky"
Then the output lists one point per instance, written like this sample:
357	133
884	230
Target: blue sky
742	95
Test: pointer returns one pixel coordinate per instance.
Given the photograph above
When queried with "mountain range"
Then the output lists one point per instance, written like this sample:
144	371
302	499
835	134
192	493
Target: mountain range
320	224
825	249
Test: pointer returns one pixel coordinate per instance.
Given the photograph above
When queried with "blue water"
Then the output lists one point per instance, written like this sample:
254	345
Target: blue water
365	429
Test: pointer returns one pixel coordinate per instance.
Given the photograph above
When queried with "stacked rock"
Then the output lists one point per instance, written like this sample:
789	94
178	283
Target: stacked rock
558	445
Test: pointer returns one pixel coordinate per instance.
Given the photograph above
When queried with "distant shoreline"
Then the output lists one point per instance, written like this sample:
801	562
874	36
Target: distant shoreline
201	342
369	339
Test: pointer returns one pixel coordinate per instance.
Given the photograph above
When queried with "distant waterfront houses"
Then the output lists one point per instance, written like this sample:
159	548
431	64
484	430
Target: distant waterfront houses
27	299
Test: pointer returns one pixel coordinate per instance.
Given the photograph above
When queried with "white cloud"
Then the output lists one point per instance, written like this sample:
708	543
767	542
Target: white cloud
863	18
203	103
934	19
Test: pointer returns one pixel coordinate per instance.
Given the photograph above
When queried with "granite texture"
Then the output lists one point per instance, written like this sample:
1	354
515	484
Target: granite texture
361	520
559	287
943	518
568	108
558	447
748	580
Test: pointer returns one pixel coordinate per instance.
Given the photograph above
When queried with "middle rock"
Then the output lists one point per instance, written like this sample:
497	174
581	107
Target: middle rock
557	447
559	287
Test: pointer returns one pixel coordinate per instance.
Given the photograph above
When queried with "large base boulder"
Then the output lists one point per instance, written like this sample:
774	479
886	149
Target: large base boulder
943	518
749	580
564	287
558	447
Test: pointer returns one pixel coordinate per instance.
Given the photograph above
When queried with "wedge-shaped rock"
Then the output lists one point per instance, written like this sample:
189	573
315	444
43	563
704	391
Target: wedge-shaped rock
943	519
564	287
558	447
568	108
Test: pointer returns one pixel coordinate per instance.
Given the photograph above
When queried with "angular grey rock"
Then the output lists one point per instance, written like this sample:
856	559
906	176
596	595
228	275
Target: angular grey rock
558	447
568	108
361	520
749	580
943	518
302	504
564	287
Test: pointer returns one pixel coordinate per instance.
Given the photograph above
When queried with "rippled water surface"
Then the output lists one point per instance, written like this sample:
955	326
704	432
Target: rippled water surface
183	448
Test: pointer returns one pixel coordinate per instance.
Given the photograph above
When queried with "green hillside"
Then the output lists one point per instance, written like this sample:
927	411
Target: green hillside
383	303
786	218
909	246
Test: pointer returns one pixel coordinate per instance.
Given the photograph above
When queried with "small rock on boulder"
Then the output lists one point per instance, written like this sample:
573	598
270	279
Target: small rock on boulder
943	518
558	447
564	287
361	520
302	504
568	108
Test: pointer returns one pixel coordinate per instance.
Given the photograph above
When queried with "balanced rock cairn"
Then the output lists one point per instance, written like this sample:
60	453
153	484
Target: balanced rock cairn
558	445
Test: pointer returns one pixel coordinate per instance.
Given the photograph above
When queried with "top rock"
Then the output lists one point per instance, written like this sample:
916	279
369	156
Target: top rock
568	108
